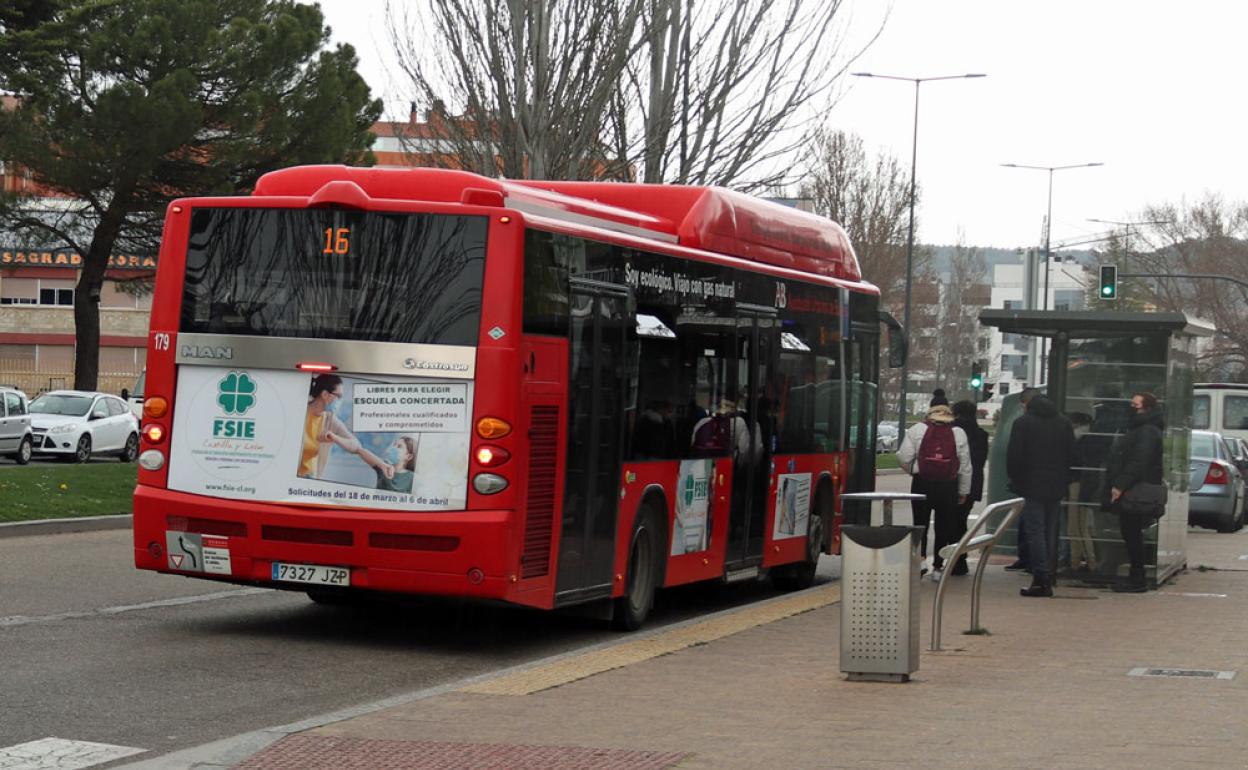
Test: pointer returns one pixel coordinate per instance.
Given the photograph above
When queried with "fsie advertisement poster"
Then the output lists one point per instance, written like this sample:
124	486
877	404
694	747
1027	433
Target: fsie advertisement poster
322	439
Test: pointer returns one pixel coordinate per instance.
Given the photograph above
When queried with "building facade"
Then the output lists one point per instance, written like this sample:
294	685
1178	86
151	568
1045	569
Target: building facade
1015	361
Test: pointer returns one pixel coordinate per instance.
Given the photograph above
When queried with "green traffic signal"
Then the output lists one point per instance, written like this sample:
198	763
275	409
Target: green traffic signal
1109	282
977	377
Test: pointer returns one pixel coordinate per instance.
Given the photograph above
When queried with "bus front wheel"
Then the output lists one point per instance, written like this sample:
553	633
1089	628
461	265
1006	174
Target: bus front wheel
794	577
632	609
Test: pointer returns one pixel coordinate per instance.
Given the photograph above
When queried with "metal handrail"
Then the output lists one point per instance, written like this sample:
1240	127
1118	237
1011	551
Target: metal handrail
972	541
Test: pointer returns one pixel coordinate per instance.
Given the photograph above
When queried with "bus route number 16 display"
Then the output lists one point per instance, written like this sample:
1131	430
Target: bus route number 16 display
311	573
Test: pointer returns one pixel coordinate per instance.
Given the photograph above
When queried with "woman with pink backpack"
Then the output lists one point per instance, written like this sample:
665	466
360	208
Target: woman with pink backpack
937	456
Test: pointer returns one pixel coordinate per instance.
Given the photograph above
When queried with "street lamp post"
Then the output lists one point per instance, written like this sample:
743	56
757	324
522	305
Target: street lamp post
1048	230
914	155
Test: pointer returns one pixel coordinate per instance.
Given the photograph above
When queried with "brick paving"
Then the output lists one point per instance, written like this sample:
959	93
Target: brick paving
1049	687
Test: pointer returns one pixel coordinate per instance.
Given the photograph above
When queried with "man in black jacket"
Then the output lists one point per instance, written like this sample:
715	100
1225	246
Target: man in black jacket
1135	458
1038	463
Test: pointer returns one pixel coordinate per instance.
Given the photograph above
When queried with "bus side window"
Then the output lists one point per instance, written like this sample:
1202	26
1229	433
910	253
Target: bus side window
654	428
797	394
704	385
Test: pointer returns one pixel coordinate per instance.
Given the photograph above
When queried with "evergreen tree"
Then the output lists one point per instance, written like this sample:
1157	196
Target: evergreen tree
122	105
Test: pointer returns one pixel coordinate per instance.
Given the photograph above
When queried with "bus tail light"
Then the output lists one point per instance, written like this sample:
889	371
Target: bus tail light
489	483
152	460
153	433
1216	474
492	428
491	456
155	407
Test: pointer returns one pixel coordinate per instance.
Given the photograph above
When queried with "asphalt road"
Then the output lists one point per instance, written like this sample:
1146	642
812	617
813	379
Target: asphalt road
94	650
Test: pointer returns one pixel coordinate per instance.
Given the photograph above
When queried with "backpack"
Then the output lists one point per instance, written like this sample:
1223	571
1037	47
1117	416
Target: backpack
713	437
937	459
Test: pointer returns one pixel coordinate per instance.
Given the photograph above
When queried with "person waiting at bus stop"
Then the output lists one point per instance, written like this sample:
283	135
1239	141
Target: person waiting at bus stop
1038	463
1135	460
937	456
964	417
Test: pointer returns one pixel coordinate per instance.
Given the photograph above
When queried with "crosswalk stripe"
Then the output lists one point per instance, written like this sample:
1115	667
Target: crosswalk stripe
61	754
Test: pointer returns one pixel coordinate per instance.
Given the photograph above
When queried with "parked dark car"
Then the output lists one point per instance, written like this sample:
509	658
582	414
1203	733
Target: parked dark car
1217	484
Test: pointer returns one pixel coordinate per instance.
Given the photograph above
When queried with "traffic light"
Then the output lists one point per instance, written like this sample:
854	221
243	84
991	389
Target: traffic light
977	377
986	393
1109	282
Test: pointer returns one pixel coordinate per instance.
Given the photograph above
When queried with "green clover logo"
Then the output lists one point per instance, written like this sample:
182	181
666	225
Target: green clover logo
236	393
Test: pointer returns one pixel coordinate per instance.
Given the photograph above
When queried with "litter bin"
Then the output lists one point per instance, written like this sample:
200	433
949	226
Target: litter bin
880	593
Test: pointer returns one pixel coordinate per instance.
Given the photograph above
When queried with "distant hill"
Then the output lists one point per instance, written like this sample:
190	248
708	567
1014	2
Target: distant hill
995	256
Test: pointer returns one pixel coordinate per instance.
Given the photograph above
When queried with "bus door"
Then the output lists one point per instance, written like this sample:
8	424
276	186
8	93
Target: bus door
598	345
862	353
756	329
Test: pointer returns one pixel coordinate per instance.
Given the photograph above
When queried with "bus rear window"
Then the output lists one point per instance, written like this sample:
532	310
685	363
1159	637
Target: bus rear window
335	274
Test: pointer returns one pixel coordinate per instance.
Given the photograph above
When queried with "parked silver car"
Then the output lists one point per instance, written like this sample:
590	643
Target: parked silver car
886	437
16	437
1217	484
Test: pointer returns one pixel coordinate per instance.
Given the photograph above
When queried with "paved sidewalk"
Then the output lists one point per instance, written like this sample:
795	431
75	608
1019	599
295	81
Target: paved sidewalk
1050	687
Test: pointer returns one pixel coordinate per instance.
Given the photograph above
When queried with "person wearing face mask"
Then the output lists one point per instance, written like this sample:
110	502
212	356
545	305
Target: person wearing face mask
321	426
1135	459
396	471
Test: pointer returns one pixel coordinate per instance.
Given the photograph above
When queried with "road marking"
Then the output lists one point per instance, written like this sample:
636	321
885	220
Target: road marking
1178	593
566	670
24	620
61	754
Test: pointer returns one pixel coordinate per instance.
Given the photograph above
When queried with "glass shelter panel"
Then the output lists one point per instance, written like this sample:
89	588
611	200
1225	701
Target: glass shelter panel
1102	376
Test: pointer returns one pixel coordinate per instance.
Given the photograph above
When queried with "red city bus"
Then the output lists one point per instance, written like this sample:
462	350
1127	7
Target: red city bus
424	381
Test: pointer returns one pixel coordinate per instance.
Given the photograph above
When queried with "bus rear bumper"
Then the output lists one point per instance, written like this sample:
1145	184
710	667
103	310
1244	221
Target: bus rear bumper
446	553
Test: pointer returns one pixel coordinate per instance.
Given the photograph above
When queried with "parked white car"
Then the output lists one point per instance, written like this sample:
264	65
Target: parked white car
76	424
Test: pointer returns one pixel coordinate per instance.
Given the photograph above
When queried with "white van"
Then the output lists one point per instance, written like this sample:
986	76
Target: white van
1221	407
135	397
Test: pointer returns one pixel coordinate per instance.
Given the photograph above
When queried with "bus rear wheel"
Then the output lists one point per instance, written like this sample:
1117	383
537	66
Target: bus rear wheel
794	577
632	609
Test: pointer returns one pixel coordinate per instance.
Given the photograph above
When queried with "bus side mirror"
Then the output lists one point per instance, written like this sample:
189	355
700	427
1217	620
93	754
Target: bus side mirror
896	350
896	340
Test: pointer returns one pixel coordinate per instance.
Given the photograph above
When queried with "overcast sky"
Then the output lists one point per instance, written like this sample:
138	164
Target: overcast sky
1154	90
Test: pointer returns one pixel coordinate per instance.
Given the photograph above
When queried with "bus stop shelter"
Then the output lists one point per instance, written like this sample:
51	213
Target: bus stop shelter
1096	361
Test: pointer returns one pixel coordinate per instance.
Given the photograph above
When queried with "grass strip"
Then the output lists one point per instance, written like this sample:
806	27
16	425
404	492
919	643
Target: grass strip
42	492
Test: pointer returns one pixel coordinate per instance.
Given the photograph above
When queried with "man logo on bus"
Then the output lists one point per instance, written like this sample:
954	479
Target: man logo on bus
236	393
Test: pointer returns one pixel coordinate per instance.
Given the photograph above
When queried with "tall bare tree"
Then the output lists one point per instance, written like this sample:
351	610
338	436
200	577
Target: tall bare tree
870	198
515	87
715	92
965	290
723	92
1206	237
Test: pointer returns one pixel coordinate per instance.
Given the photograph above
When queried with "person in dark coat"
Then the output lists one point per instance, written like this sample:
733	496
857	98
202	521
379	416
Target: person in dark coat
977	439
1039	458
1135	458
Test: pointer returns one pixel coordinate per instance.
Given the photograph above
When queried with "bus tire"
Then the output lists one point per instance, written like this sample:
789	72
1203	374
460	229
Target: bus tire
632	609
794	577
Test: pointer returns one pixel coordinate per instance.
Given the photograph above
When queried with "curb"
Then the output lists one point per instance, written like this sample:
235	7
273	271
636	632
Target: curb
889	472
63	526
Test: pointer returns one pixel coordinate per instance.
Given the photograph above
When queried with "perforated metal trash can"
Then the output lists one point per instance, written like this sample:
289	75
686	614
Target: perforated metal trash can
879	603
